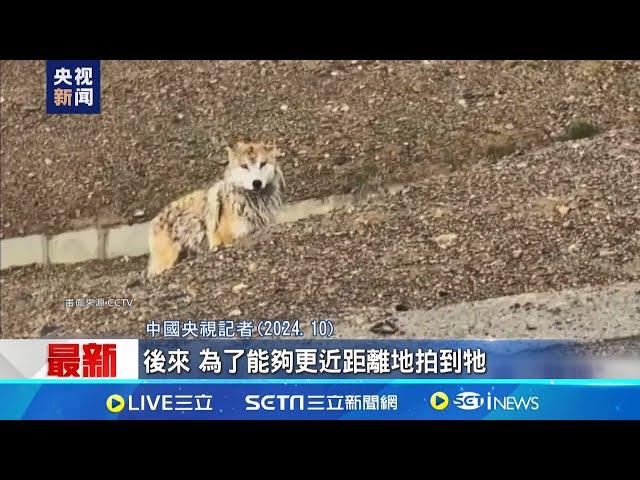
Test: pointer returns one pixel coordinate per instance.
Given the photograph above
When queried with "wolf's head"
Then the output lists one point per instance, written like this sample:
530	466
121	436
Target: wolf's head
254	166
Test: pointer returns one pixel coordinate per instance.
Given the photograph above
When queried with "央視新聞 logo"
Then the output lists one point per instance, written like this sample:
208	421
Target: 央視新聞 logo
73	86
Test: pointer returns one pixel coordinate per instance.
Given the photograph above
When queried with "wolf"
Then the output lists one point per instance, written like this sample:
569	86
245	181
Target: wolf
245	200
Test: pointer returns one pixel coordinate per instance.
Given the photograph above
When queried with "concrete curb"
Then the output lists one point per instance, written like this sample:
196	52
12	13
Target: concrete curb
74	246
131	240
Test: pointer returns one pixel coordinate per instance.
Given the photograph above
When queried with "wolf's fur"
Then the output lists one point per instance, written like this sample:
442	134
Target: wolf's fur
230	209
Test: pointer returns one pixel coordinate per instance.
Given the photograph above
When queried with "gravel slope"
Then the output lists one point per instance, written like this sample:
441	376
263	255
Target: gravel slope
560	217
343	126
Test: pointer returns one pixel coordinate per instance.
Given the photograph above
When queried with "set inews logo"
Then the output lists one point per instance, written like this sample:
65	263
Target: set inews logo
475	401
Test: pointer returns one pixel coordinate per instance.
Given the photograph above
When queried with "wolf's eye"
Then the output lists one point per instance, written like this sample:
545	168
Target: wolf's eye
245	166
262	164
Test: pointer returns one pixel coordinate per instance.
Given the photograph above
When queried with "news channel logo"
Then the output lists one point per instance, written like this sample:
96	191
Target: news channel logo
167	402
473	401
470	401
73	86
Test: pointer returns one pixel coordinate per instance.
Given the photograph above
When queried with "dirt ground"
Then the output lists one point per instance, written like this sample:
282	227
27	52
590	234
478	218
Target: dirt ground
344	126
561	216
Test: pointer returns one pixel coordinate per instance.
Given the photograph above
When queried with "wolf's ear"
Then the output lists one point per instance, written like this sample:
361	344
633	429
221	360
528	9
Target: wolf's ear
272	150
231	151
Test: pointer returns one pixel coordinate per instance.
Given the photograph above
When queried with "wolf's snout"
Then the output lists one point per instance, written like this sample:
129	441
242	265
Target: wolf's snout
257	184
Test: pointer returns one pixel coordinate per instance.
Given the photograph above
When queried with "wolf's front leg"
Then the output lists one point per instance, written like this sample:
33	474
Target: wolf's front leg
212	213
213	240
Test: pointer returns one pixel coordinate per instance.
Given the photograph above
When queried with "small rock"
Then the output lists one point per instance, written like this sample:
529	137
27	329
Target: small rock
235	313
572	248
252	267
48	161
173	295
445	240
31	175
509	126
284	107
400	307
239	287
47	329
479	327
180	116
385	327
606	253
462	102
562	210
531	325
459	332
394	189
438	213
138	213
517	253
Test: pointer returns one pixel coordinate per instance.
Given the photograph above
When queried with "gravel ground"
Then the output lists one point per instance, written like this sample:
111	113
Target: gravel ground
343	126
591	313
563	216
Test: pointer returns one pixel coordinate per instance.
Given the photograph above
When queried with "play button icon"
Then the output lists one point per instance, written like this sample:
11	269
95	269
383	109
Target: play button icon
115	403
439	401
